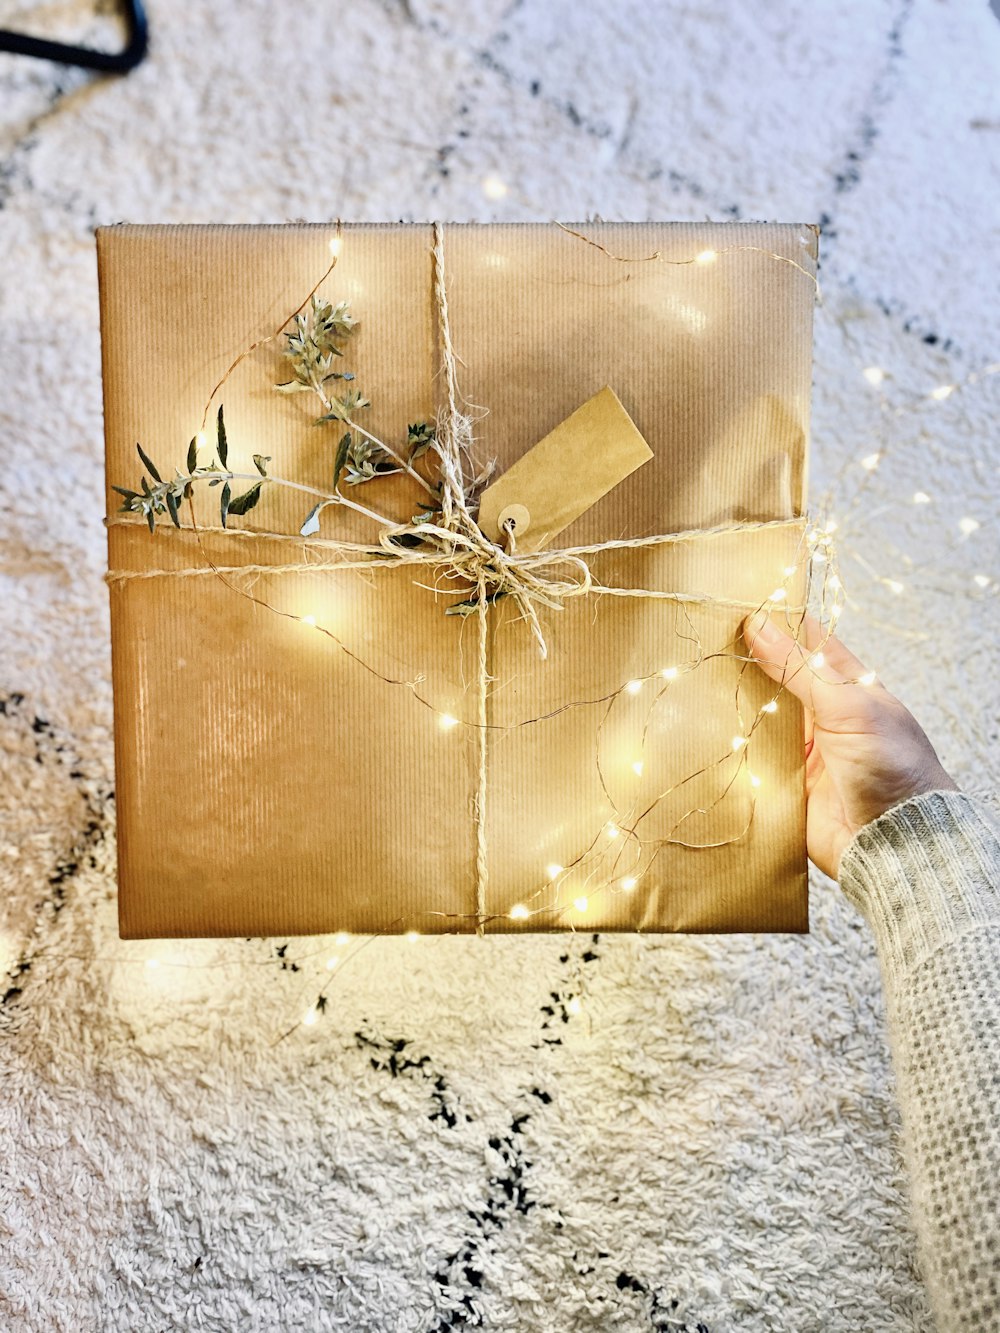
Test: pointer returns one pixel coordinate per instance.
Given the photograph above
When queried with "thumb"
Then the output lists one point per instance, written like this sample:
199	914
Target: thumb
805	671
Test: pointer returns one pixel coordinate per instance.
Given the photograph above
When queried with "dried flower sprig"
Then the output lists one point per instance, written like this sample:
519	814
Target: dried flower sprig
317	339
165	496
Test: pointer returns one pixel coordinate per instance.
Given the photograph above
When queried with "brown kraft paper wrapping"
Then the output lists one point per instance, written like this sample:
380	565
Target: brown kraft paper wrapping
268	784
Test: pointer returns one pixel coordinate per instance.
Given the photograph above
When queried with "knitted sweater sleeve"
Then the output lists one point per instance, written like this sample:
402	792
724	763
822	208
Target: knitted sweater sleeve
926	876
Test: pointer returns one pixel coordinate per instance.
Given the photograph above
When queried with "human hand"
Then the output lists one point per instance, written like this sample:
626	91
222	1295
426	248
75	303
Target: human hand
864	750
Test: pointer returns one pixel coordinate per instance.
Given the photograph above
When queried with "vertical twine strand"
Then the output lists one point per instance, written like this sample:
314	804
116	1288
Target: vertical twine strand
455	433
482	866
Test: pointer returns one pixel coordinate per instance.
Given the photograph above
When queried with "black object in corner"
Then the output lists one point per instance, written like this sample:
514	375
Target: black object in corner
108	62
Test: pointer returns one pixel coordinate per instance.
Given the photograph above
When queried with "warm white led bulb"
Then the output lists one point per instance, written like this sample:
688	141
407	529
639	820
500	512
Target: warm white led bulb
331	963
818	660
412	935
518	912
152	962
336	245
446	721
669	673
706	257
739	742
309	1017
612	830
309	620
836	611
201	439
942	391
580	904
893	585
637	767
634	686
629	882
870	462
789	570
573	1005
341	938
834	582
553	871
494	187
867	679
874	374
770	707
968	525
981	580
921	498
778	595
754	780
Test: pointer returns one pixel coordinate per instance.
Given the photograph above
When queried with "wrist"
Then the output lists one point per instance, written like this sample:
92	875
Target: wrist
918	872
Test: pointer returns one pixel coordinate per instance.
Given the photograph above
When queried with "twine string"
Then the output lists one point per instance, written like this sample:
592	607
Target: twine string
482	863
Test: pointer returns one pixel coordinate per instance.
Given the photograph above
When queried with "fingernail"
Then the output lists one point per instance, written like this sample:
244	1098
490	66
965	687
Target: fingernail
761	630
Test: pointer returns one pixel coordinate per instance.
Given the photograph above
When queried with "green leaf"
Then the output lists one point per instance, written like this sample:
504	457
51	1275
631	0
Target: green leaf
311	524
172	508
192	458
216	482
471	605
148	464
260	460
150	520
224	502
129	495
223	445
293	386
247	500
419	438
341	459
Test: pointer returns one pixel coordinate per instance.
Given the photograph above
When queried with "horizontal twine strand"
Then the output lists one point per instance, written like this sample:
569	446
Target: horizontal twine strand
377	558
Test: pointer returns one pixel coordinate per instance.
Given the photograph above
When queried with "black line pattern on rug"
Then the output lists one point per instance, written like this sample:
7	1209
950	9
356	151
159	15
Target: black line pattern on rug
393	1057
663	1312
558	1010
487	58
55	750
846	176
459	1275
850	174
13	168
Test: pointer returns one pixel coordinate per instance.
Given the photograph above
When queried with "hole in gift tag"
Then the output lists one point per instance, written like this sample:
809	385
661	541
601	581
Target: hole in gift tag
517	516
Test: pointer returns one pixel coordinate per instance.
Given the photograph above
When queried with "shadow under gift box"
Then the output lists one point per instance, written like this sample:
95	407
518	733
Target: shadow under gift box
268	783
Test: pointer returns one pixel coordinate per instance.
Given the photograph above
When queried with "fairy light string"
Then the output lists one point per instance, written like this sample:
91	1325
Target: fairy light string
458	548
350	950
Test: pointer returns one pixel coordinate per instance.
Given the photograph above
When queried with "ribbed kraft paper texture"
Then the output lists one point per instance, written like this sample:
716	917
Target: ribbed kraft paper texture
268	783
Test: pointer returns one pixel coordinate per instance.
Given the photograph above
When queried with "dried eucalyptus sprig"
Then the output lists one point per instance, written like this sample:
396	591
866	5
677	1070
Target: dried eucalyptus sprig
164	496
317	339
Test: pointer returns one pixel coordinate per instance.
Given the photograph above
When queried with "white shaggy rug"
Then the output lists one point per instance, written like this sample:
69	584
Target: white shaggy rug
563	1133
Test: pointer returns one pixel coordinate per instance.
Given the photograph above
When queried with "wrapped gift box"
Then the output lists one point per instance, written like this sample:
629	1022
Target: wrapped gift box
273	779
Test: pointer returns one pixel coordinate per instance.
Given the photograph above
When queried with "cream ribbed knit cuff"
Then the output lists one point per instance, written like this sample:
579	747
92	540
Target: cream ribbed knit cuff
922	873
